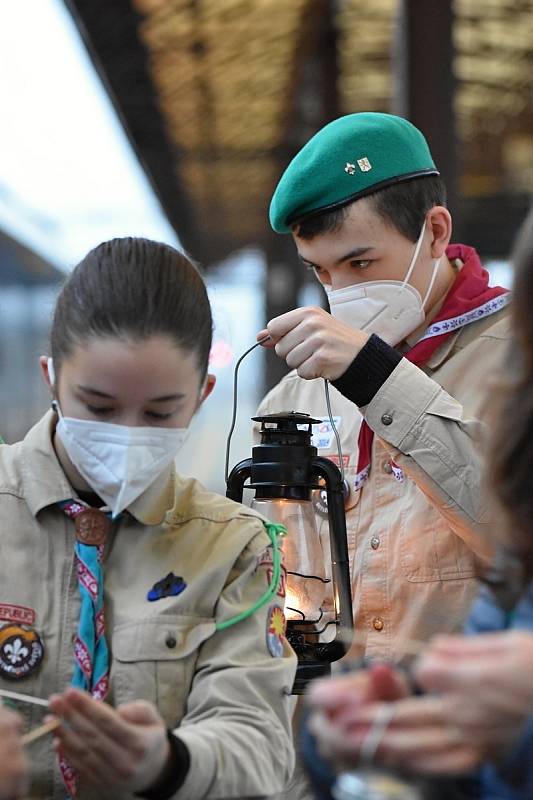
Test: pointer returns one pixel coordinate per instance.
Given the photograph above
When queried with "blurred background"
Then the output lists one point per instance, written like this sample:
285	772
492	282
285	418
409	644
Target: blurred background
174	119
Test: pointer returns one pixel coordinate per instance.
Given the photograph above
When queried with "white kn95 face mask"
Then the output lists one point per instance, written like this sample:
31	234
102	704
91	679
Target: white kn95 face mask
118	461
390	309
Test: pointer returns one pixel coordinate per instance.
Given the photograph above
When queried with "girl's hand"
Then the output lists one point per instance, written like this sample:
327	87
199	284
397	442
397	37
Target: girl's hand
313	342
124	748
14	780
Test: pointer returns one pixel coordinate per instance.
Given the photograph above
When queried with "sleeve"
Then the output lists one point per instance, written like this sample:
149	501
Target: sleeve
237	727
514	772
438	440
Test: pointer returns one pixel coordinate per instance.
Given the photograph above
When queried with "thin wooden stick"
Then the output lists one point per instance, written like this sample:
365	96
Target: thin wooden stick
42	730
24	698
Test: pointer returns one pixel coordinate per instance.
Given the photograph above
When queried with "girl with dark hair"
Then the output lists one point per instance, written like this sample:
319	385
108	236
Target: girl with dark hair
125	581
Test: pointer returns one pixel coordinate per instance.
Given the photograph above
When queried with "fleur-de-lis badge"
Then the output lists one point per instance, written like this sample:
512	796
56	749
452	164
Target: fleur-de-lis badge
21	650
364	164
16	651
349	168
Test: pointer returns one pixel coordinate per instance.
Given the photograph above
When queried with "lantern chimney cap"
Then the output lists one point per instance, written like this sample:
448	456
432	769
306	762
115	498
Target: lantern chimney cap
291	418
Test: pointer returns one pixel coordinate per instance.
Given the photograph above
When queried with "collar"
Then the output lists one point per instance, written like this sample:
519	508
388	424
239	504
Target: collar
45	484
43	480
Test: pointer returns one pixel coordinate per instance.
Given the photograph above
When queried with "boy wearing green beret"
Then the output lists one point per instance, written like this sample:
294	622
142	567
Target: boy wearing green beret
412	344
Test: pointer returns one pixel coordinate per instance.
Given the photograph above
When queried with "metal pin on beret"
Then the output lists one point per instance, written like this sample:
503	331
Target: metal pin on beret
349	158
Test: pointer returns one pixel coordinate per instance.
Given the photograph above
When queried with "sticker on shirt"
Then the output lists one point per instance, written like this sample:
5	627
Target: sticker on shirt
19	614
323	434
320	498
21	651
169	586
275	634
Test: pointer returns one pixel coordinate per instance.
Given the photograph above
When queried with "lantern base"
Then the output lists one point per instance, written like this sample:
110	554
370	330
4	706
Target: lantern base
308	671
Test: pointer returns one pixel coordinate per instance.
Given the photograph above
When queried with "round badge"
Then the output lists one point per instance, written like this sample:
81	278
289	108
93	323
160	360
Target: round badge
275	631
92	527
21	651
320	497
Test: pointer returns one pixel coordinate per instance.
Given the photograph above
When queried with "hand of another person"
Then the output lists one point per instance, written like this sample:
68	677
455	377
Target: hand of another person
486	684
336	703
418	737
14	780
124	748
313	342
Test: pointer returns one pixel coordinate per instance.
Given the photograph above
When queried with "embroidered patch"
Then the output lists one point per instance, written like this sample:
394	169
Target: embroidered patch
21	651
169	586
13	613
264	559
275	631
282	585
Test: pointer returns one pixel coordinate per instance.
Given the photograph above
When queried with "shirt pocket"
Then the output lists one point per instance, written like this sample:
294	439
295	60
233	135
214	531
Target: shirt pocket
429	548
154	659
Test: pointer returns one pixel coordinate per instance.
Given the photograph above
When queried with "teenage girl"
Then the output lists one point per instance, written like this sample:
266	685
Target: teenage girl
126	582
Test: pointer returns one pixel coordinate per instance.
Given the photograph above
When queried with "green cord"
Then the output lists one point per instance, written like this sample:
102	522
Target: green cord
274	531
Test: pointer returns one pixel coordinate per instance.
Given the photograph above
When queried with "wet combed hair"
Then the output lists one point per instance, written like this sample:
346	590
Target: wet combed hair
512	446
402	205
133	288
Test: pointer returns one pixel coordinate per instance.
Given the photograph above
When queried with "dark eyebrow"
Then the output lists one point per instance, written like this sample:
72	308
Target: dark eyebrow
356	253
96	392
164	399
167	397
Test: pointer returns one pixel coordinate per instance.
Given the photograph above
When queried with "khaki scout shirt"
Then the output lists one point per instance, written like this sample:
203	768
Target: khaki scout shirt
223	692
415	545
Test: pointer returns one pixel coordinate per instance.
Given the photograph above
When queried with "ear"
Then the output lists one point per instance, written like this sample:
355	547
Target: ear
439	221
209	385
43	363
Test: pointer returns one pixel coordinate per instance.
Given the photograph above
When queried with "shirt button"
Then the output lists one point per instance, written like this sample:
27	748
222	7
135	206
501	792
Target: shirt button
386	419
170	641
377	624
387	467
374	542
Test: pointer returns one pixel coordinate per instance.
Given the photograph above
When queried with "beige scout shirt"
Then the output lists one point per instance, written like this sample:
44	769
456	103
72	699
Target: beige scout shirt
223	692
415	545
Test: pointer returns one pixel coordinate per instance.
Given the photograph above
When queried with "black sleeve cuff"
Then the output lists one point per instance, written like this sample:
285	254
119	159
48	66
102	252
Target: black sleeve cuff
369	370
174	774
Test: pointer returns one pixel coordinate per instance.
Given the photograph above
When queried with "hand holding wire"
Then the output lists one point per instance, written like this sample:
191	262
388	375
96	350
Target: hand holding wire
313	342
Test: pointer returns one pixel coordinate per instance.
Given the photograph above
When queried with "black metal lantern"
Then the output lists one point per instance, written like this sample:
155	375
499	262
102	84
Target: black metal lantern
284	470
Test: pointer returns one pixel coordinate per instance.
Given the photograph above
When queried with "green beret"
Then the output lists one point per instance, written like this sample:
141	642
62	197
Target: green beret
350	157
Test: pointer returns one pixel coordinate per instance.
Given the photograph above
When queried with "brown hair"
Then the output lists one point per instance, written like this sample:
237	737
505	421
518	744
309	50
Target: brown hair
402	205
135	288
512	447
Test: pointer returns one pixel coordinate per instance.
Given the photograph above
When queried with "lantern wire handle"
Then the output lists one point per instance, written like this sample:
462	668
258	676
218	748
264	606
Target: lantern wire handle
334	429
234	413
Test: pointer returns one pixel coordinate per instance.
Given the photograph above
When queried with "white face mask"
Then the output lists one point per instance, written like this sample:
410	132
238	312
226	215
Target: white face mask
118	462
390	309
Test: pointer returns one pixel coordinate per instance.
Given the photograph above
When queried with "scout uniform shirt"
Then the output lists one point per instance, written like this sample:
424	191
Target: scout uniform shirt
418	530
224	693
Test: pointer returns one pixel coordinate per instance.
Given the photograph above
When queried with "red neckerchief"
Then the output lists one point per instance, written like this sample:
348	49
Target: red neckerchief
469	292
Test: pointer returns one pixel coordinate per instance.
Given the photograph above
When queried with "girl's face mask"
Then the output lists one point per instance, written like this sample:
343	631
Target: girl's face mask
119	462
390	309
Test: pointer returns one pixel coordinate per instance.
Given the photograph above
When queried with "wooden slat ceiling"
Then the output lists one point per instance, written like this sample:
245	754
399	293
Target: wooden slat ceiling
218	94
